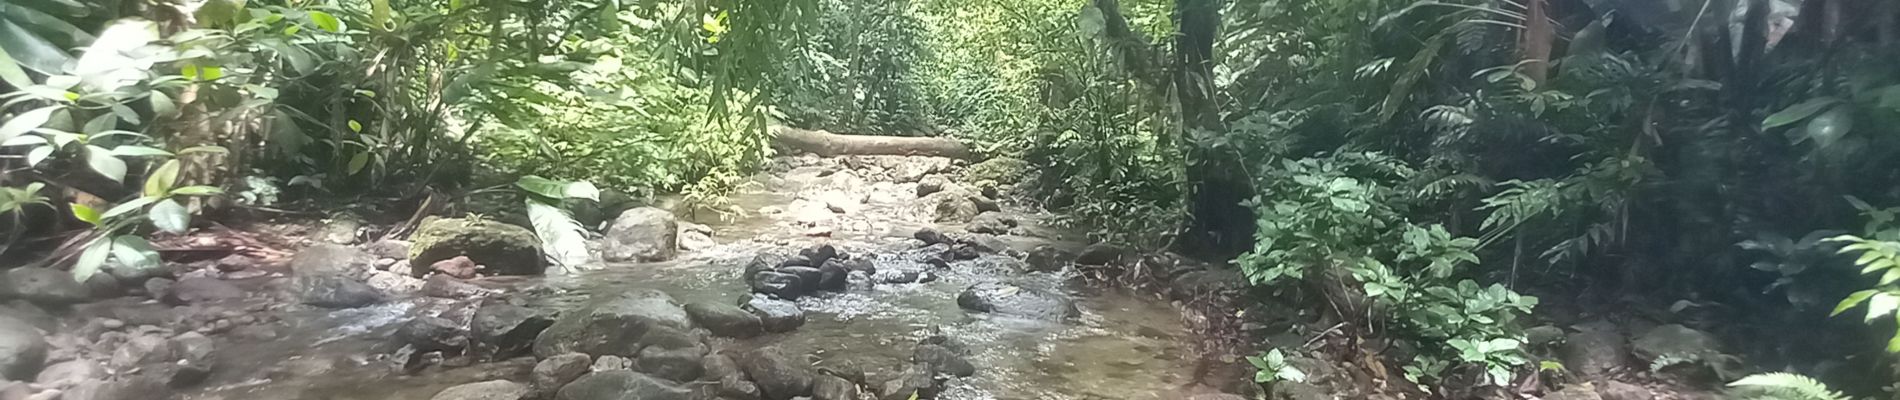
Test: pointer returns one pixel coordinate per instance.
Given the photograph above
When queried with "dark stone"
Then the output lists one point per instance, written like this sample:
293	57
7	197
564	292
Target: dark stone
964	252
1006	299
489	390
783	285
826	387
1101	254
833	276
42	285
795	261
734	387
808	278
942	359
762	263
554	372
681	365
670	338
916	380
725	319
336	291
1046	258
1595	350
931	236
991	223
22	349
777	376
622	384
778	316
717	366
861	265
426	334
196	354
612	324
506	330
819	254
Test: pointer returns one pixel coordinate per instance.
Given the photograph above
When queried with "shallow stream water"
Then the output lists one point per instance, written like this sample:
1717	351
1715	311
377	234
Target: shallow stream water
1123	346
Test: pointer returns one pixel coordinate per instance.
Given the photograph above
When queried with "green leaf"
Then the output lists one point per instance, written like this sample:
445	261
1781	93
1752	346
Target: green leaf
38	154
379	14
139	151
171	217
1831	126
129	206
1881	304
86	213
1851	301
135	252
162	104
90	260
10	71
1798	112
219	12
162	179
26	121
357	162
326	22
356	126
34	51
197	191
102	161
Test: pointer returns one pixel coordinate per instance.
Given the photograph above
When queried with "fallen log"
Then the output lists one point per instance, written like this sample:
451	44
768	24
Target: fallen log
829	144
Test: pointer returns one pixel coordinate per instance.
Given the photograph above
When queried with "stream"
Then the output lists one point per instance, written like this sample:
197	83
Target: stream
1121	346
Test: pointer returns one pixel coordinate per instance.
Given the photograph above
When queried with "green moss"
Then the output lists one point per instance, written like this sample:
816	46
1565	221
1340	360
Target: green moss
499	247
1001	171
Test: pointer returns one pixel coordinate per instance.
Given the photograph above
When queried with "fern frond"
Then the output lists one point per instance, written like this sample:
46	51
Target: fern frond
1783	386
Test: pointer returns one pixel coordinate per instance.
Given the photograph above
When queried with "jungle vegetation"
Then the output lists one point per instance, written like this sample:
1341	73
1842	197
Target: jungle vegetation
1424	165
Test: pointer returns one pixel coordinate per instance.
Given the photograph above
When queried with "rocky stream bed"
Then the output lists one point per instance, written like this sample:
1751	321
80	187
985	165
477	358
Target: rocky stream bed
847	278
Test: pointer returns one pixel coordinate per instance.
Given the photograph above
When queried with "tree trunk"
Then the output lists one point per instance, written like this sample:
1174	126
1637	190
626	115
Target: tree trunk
829	144
1221	228
1533	44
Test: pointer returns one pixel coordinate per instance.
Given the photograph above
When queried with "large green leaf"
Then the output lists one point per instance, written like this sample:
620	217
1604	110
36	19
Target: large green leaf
102	161
162	179
25	122
554	190
1830	126
91	259
32	51
10	71
171	217
1798	112
133	251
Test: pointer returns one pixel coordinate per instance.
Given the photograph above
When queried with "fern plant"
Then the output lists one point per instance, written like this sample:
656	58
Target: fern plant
1781	386
1879	251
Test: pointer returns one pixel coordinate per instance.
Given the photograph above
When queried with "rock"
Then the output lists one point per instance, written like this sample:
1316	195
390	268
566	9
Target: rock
1101	254
695	237
1207	281
449	287
1675	340
777	376
827	387
506	330
833	276
780	284
776	316
1594	350
952	205
42	285
1585	391
336	291
609	363
763	262
159	288
1216	396
1615	390
932	184
135	387
1543	335
490	390
735	387
1006	299
501	249
808	279
196	355
1046	258
715	366
141	349
330	259
612	324
915	382
427	334
839	202
393	283
389	248
621	385
460	267
943	360
554	372
818	255
679	364
932	237
725	319
643	234
195	290
69	373
993	223
1299	391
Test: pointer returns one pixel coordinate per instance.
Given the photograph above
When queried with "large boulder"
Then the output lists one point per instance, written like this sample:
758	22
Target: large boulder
827	387
943	360
676	364
620	384
776	316
42	285
725	319
1017	301
490	390
643	234
500	248
554	372
777	375
22	349
612	324
505	330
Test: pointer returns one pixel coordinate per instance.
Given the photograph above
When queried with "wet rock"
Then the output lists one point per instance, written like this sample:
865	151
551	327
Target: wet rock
932	184
904	276
734	387
943	360
612	324
1101	254
695	237
643	234
680	364
715	366
501	249
1046	258
826	387
336	291
141	349
427	334
932	237
777	316
135	387
1675	340
1594	350
833	276
1585	391
506	330
952	205
915	382
554	372
1006	299
777	376
780	284
1615	390
808	279
393	283
964	252
388	248
69	373
330	259
490	390
42	285
621	385
460	267
609	363
725	319
671	338
449	287
195	290
763	262
818	255
993	223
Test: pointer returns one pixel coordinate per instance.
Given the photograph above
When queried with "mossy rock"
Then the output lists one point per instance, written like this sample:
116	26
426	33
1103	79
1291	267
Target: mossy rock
500	248
1000	171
